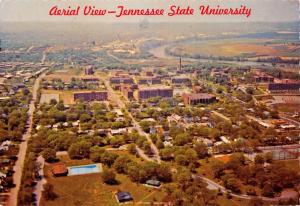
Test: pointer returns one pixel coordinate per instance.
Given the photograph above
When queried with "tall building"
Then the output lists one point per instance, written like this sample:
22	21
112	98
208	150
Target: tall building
88	70
149	92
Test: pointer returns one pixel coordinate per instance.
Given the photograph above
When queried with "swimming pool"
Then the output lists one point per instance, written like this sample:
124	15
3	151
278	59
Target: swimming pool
84	169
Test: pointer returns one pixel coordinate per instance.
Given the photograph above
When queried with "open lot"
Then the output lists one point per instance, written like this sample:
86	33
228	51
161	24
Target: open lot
65	96
65	75
89	190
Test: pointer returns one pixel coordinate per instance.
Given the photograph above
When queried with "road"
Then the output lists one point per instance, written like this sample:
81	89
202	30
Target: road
17	176
39	186
115	98
114	57
289	119
215	186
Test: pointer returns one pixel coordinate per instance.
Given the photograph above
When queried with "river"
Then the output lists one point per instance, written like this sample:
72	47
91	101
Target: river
159	52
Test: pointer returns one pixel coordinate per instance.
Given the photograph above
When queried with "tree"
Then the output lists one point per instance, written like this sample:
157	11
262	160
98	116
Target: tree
121	163
49	155
117	141
233	185
146	125
191	155
217	168
8	182
133	171
269	157
181	160
131	148
164	173
256	202
85	118
48	192
267	190
147	148
181	139
108	176
259	159
95	153
79	150
159	144
220	90
201	150
108	158
166	153
250	191
60	106
184	178
250	90
53	102
236	160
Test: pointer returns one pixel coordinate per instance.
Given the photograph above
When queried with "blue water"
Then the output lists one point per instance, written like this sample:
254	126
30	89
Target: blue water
85	169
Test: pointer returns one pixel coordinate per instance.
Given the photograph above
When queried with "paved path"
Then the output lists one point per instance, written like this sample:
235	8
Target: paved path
215	186
291	120
17	176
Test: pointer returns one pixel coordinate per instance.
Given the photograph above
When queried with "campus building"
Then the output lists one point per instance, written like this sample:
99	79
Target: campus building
200	98
127	91
181	80
119	80
263	78
149	92
91	96
88	70
284	88
149	80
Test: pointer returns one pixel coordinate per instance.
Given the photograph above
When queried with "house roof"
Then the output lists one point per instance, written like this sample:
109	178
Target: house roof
59	168
153	183
123	196
200	96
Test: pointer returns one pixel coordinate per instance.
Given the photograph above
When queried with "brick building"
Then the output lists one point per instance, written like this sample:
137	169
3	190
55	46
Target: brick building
91	96
119	80
149	80
181	80
149	92
127	91
263	78
284	87
200	98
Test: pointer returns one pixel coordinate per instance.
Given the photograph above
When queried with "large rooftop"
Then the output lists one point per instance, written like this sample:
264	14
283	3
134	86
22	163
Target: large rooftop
200	96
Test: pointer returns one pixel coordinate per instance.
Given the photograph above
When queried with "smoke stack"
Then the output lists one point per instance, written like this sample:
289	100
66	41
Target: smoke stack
180	63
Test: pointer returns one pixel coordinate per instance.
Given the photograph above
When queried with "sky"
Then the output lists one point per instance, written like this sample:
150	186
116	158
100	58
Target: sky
37	10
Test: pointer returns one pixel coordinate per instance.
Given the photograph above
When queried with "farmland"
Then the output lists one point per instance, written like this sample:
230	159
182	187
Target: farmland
248	48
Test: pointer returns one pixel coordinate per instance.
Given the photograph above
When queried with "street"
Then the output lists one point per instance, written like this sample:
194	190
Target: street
115	98
17	176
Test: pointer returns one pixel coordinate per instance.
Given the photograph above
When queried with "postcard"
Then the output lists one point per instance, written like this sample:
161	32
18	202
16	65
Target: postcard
149	102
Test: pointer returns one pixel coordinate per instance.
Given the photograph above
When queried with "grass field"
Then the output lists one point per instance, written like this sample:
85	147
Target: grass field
66	96
65	75
89	190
